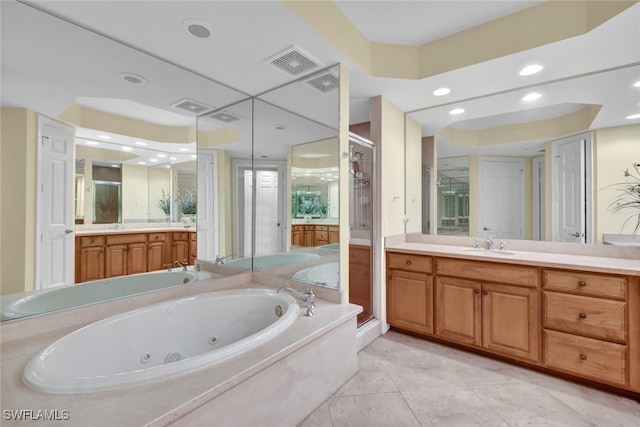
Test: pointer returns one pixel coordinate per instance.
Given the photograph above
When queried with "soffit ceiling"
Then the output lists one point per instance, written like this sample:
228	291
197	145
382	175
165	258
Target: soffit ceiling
245	33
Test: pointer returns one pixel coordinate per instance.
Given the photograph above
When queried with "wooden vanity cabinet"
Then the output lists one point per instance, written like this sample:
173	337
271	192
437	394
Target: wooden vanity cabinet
499	317
297	235
334	234
309	235
89	258
158	251
410	292
193	248
321	235
314	234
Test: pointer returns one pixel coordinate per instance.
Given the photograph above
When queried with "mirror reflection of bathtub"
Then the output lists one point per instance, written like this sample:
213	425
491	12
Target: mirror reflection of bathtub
98	290
261	262
326	275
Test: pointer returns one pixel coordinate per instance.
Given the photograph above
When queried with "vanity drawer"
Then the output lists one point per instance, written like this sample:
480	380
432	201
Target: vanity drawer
593	317
157	237
181	236
298	227
419	263
87	241
322	228
600	360
359	255
488	272
600	285
193	237
125	239
322	235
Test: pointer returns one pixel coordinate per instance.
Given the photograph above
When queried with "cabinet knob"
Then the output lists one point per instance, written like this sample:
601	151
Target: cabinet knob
583	356
408	262
582	283
583	315
476	291
389	277
485	292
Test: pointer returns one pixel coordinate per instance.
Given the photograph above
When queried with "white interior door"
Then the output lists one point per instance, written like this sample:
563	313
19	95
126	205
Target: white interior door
501	197
538	196
207	195
55	223
570	194
267	231
247	195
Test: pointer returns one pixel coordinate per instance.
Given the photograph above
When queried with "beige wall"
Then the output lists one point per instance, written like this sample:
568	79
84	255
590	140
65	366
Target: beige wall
615	149
413	175
18	199
135	194
159	179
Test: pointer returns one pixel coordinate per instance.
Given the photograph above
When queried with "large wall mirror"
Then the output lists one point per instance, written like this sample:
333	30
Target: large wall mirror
133	118
547	173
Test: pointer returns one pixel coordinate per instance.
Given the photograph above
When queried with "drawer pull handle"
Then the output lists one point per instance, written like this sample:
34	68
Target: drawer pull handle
583	356
408	262
476	291
583	315
582	283
485	292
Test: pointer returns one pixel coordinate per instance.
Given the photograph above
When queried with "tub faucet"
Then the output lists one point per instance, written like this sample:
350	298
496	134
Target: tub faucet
489	244
220	260
183	264
308	296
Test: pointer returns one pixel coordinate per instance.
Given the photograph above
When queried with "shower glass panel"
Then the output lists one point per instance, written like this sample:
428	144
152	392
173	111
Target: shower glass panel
361	208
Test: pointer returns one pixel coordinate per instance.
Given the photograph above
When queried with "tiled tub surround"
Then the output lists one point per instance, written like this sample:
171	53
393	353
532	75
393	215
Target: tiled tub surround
573	311
302	367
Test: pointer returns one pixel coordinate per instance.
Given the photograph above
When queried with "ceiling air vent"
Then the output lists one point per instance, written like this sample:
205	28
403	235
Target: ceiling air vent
324	83
191	106
293	61
223	116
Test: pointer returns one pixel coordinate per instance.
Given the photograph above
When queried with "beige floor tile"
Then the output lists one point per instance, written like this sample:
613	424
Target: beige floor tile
525	404
318	418
371	410
451	406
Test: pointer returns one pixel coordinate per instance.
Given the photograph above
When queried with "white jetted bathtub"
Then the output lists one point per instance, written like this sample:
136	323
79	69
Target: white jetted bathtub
265	261
98	290
161	340
327	275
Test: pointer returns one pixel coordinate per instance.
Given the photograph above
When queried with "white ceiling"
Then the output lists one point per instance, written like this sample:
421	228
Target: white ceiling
245	33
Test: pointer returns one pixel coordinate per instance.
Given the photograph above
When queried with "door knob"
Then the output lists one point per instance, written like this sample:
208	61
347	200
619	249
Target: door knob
485	229
68	231
576	234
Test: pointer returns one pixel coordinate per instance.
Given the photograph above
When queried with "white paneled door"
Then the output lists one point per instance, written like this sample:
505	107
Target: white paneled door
55	222
207	210
569	191
501	197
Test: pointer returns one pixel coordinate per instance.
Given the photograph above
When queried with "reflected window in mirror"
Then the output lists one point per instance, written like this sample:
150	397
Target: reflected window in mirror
453	196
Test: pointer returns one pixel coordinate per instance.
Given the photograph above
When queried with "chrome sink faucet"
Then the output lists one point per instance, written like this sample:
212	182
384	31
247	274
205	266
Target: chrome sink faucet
308	296
183	264
489	244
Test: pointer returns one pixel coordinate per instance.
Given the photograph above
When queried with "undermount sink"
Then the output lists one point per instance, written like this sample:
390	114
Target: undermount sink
487	252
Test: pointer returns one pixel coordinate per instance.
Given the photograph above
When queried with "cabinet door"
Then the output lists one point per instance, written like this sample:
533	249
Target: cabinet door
116	260
193	251
309	238
91	263
410	301
180	250
296	238
136	258
155	260
334	235
511	320
458	310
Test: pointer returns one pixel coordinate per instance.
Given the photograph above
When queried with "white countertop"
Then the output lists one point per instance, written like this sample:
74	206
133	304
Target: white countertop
134	230
542	259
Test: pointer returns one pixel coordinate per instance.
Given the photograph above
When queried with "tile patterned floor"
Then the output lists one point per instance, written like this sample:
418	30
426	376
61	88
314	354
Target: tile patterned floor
407	381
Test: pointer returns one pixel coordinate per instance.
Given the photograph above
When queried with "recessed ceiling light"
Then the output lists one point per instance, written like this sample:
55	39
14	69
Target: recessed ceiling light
142	144
184	149
132	78
197	28
162	156
153	160
173	158
195	156
532	96
127	148
280	127
104	137
633	117
93	142
456	111
637	84
531	69
442	91
167	166
114	166
141	163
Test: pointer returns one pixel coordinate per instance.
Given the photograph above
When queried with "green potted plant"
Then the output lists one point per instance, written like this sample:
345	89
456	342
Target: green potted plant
165	205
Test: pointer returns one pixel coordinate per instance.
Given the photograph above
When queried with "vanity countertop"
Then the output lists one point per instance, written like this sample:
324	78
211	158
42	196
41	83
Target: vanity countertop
542	259
301	221
134	230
